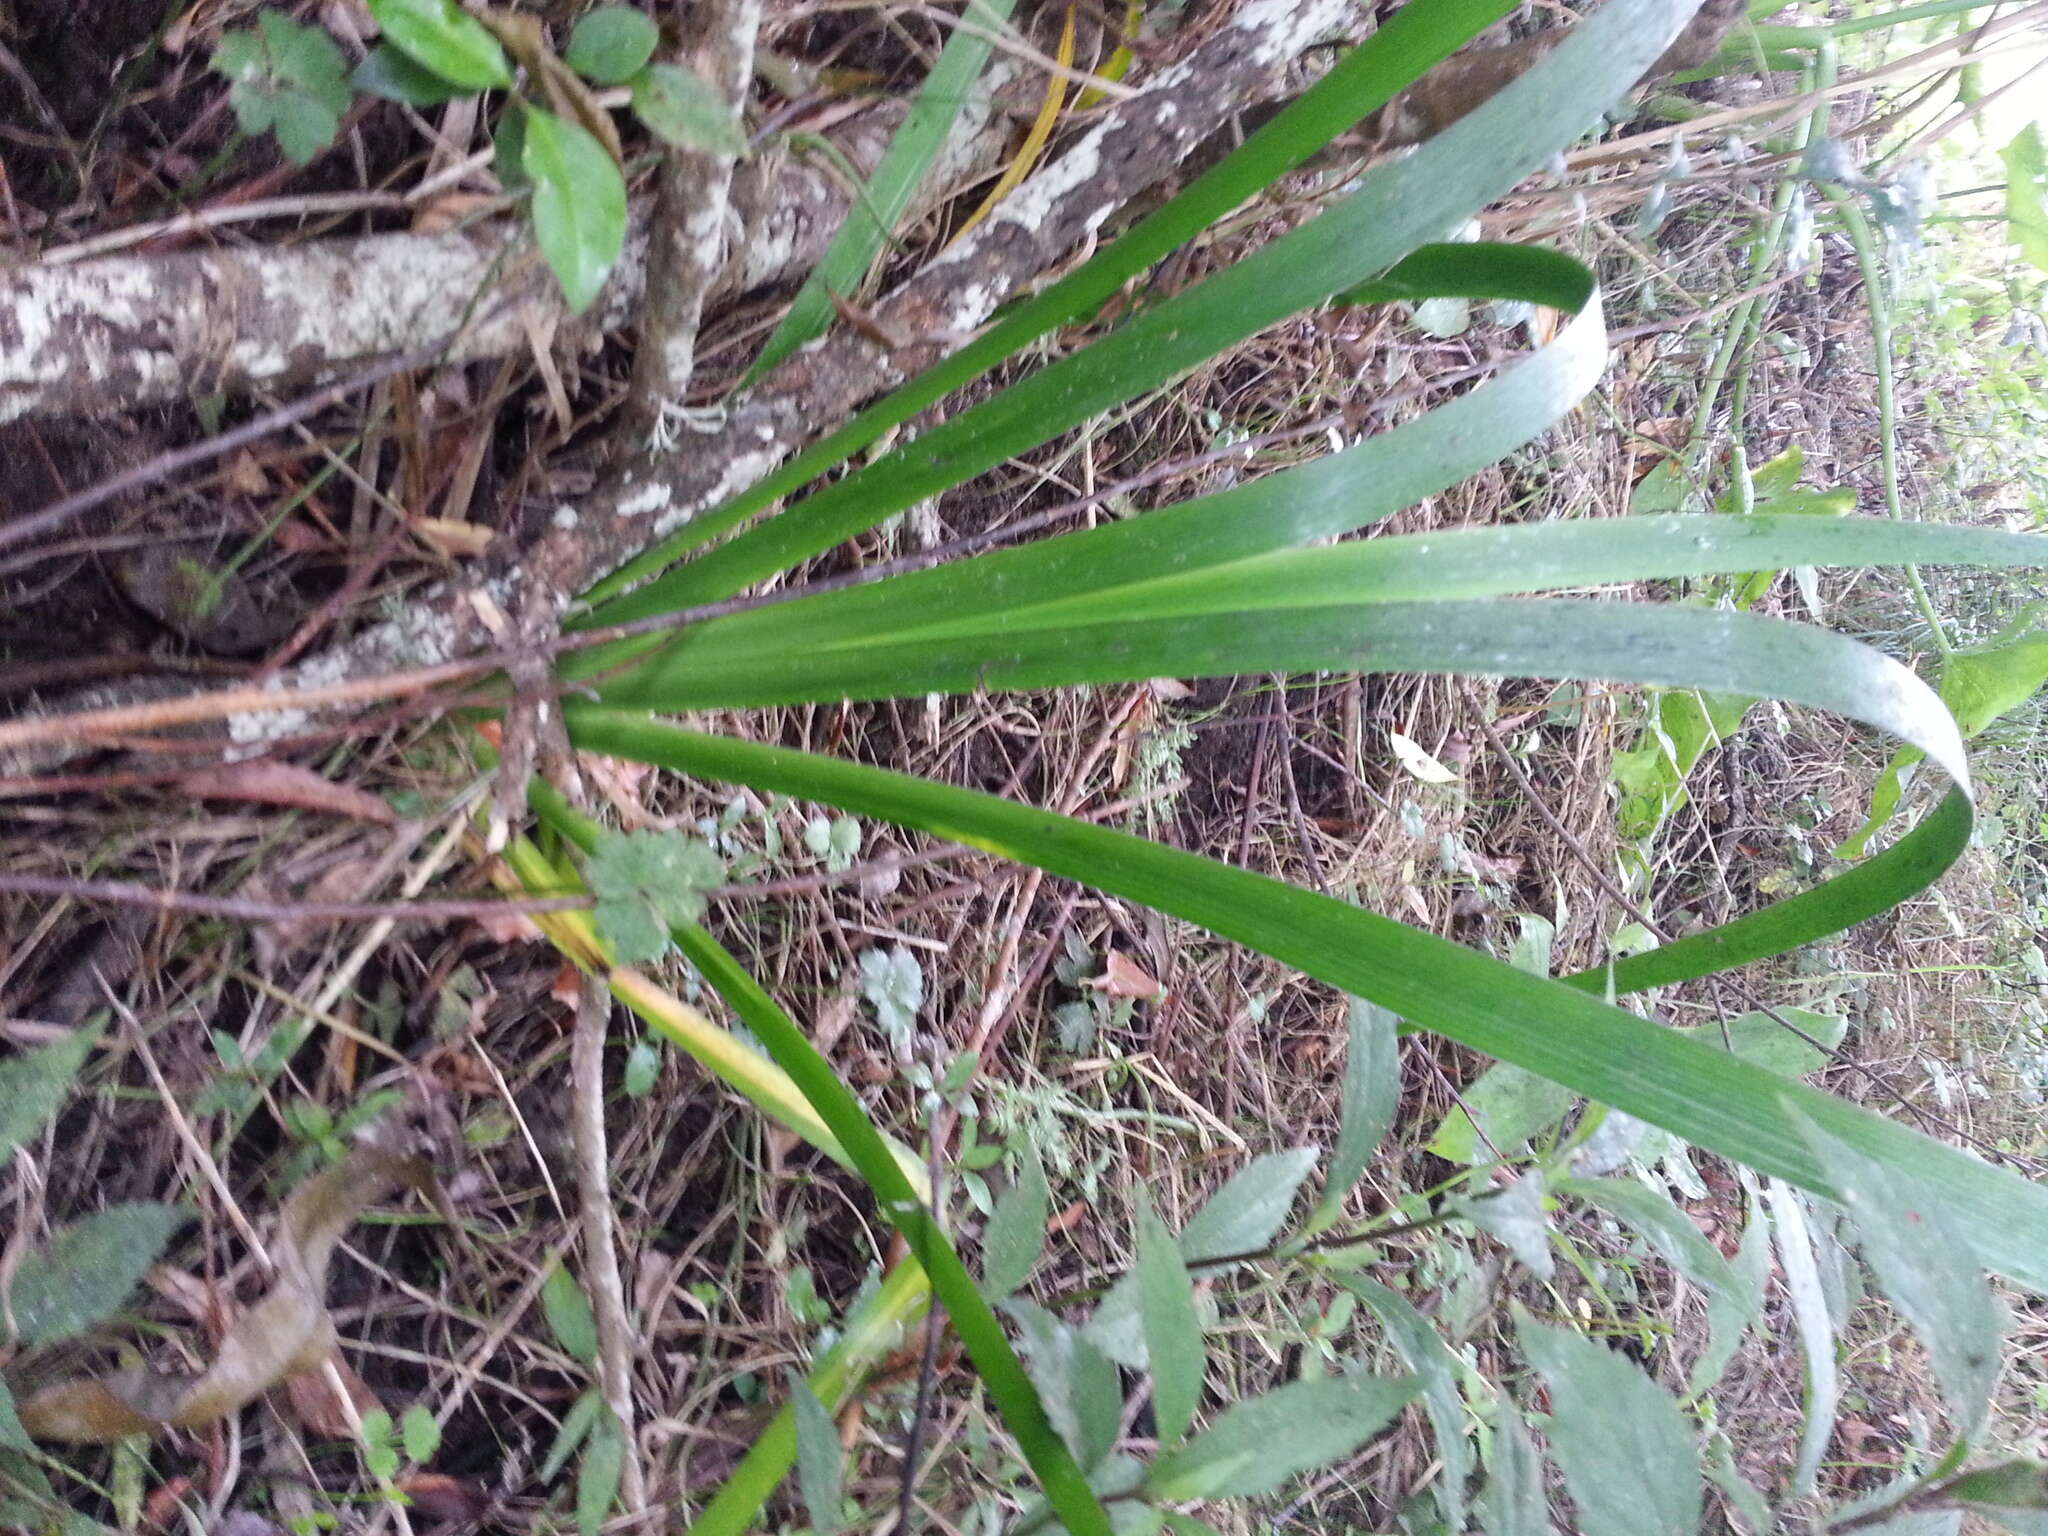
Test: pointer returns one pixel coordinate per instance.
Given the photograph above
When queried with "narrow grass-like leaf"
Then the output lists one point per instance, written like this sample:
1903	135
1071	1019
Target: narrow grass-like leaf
1300	506
1927	1270
88	1269
597	1476
1437	1370
1015	1235
1514	1106
1601	1052
1396	208
819	1460
872	220
1730	1312
574	1431
902	1201
871	1336
1625	1447
1372	1092
1816	1329
1173	1334
1362	81
1256	1446
34	1083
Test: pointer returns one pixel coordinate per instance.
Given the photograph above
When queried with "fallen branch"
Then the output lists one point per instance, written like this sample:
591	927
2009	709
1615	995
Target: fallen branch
1053	213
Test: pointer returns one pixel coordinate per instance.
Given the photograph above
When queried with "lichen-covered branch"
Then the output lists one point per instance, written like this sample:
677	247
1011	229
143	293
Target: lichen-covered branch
113	333
686	244
1036	229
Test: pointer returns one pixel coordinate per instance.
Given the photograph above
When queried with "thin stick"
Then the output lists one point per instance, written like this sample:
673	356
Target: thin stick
600	1257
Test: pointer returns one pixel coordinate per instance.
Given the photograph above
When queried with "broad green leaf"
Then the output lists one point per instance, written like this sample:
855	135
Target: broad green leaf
873	218
1372	1092
420	1433
2026	185
1927	1270
1173	1334
680	108
1015	1235
820	1463
1514	1217
1461	169
1076	1382
88	1269
1248	1211
12	1435
380	1456
1559	1029
1254	1447
1627	1450
286	78
1243	1216
34	1083
1672	1233
1503	1107
393	75
611	44
1978	684
579	204
568	1313
574	1431
1730	1312
597	1479
643	1069
1513	1502
440	36
1437	1370
1513	1106
2014	1484
1816	1329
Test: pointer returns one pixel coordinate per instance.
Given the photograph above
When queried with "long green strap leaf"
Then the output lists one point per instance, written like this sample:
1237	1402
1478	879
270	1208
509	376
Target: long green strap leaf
902	1205
1368	77
1701	1094
995	594
1873	887
1319	500
1664	644
1398	207
873	217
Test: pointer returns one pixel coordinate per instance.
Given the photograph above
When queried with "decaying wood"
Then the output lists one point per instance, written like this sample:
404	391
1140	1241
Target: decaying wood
112	333
1033	232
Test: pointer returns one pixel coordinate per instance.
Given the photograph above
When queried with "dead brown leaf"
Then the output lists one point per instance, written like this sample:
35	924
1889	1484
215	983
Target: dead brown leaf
264	781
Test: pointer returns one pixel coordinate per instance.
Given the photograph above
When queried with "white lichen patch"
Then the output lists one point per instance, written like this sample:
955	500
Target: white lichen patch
564	517
740	471
651	497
